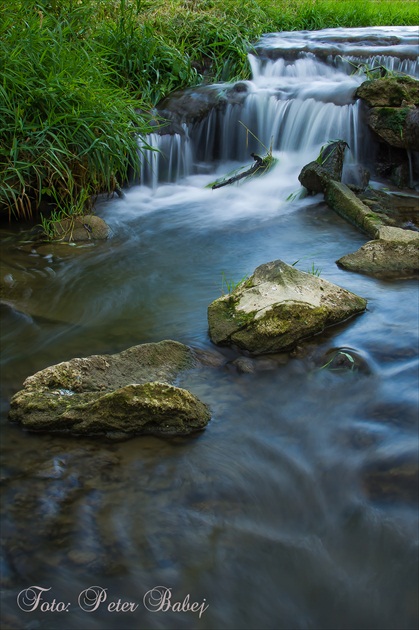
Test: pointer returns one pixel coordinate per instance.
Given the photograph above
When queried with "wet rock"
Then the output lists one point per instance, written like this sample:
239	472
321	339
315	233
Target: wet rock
395	250
393	116
393	478
355	176
344	201
120	395
81	228
194	104
277	307
244	365
389	92
316	175
343	360
396	126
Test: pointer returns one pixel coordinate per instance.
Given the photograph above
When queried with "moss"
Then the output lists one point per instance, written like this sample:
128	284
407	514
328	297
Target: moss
282	328
392	118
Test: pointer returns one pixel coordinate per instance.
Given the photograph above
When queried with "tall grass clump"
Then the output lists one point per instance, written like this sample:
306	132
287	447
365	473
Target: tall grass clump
67	131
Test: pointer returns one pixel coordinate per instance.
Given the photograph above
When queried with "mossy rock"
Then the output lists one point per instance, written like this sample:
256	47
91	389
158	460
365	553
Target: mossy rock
341	199
277	307
390	92
81	228
396	126
124	394
396	251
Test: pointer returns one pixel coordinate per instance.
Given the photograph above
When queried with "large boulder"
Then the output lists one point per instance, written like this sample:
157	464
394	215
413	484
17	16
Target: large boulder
124	394
277	307
395	250
396	126
393	116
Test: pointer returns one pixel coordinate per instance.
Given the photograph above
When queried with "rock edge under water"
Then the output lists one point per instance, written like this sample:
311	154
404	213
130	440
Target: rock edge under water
119	395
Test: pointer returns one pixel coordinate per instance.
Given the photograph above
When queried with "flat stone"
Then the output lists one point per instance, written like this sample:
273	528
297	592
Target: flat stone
397	235
393	253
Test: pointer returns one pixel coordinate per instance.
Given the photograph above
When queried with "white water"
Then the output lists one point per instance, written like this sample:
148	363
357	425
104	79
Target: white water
296	102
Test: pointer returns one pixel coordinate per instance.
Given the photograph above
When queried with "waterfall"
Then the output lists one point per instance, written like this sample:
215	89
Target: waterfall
300	96
170	160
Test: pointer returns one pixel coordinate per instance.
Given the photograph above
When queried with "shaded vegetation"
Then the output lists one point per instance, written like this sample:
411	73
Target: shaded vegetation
78	76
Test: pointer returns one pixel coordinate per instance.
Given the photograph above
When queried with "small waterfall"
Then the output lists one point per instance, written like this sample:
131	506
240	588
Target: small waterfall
171	159
301	95
394	64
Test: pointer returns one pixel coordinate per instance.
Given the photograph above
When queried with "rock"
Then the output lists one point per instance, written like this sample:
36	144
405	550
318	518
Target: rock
395	250
396	126
244	365
343	360
341	199
389	92
355	176
81	228
392	478
393	116
194	104
397	235
411	129
316	175
277	307
124	394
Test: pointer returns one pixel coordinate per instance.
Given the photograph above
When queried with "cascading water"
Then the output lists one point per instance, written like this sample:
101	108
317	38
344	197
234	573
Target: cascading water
301	95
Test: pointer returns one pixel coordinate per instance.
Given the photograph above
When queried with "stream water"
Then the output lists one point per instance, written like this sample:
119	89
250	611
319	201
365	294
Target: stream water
266	519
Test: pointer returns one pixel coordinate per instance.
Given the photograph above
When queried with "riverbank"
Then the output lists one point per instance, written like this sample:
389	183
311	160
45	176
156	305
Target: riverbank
79	78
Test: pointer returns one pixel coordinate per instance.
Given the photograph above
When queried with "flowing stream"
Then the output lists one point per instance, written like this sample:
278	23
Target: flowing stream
266	519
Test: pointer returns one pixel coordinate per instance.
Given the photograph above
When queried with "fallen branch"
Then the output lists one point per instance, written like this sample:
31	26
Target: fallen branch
261	166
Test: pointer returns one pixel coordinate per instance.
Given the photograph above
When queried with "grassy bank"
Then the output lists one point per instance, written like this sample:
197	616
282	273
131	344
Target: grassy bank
75	74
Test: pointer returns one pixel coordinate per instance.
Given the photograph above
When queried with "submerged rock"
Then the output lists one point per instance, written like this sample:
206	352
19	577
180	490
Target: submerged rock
277	307
392	478
124	394
194	104
395	250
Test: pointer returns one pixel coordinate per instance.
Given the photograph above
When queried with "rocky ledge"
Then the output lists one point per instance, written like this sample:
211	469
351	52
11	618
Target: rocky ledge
118	395
394	251
277	307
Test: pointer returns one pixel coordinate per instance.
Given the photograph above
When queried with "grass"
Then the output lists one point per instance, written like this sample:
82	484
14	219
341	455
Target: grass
313	270
77	78
229	285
